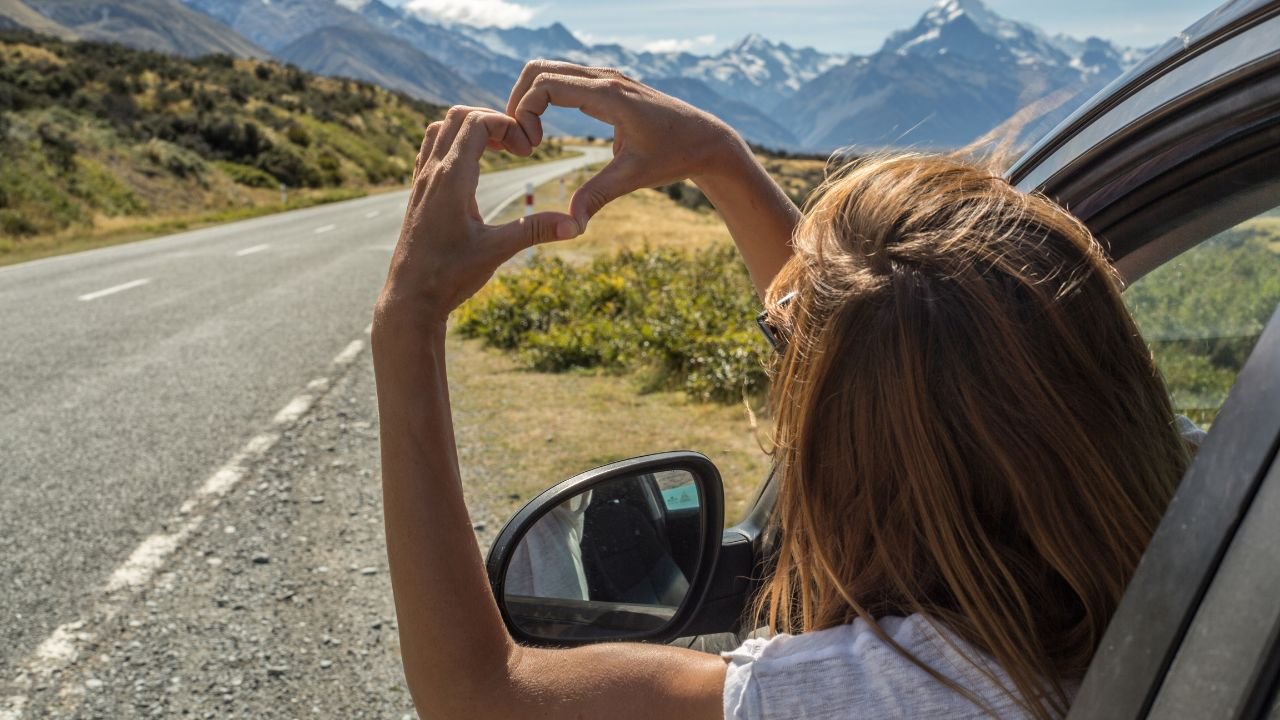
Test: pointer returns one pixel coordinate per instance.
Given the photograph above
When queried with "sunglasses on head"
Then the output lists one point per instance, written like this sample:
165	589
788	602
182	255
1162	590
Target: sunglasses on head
772	333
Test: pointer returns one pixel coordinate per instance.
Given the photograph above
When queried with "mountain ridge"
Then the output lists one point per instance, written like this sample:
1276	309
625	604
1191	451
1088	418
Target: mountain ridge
959	72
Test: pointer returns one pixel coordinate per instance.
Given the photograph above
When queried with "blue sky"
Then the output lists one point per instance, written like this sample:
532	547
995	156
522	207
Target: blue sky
857	26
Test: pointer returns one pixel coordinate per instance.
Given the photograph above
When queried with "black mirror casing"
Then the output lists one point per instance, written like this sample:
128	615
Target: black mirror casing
707	479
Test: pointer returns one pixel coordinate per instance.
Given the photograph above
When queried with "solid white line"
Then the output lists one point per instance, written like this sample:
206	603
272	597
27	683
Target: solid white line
296	408
252	250
373	213
114	289
497	210
325	229
148	557
349	353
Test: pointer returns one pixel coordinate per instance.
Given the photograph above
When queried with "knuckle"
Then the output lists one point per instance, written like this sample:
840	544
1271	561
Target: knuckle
616	84
456	113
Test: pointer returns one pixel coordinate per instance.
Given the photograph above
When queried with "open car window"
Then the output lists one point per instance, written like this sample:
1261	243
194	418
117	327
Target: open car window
1203	311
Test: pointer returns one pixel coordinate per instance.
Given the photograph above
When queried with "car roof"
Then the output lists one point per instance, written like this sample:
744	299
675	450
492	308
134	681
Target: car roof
1034	166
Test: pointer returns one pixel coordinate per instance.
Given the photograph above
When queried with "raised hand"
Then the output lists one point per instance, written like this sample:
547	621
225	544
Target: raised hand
657	139
446	252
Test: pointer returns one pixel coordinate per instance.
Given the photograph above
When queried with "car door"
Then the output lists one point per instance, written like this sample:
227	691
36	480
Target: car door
1177	170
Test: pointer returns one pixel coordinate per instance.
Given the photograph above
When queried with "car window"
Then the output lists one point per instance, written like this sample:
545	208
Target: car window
1202	312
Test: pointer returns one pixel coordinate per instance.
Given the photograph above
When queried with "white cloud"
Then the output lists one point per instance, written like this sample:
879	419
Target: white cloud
482	13
681	44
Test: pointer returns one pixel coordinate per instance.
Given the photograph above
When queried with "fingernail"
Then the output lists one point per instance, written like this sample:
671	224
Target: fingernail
566	229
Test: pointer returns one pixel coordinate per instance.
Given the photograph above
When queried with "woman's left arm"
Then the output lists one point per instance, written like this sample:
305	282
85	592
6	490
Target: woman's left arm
458	658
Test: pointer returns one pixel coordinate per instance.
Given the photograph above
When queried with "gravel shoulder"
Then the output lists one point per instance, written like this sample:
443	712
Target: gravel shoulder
280	605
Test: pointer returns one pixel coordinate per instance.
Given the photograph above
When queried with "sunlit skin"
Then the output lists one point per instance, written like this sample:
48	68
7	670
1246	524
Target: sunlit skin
459	659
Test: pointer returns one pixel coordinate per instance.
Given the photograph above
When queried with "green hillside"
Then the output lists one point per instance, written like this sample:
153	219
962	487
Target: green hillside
101	143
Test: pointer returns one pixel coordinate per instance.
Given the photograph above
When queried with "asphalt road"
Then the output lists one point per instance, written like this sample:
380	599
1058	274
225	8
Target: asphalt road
129	374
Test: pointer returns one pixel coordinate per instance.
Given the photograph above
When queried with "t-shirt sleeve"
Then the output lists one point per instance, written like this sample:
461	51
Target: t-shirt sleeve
742	699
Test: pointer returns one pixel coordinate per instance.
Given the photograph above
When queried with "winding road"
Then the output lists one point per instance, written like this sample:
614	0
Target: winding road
130	374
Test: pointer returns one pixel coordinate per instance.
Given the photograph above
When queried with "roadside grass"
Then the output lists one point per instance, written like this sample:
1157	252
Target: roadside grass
118	230
256	194
547	427
555	425
643	219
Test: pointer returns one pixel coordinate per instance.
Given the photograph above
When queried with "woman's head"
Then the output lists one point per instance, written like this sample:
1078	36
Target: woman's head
968	423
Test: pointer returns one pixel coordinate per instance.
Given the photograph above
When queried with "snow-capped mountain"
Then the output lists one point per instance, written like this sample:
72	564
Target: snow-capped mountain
960	72
957	74
754	70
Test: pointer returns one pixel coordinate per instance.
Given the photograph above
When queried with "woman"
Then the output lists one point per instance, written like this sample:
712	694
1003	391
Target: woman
974	444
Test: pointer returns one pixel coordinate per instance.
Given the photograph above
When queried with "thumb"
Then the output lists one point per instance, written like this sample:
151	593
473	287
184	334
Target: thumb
536	229
603	188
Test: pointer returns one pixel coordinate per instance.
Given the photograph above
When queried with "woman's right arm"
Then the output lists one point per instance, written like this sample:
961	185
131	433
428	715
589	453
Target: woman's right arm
659	140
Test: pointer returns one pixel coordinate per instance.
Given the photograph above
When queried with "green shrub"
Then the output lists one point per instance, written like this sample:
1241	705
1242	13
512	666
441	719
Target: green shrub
246	174
176	160
684	319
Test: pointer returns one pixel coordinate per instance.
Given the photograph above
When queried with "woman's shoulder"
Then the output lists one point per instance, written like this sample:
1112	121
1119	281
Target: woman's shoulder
850	668
854	638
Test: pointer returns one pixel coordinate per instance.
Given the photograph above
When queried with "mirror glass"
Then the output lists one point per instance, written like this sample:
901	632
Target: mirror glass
612	562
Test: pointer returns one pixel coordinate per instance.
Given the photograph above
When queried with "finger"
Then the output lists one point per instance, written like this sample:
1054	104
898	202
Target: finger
533	69
476	131
428	139
473	208
597	97
612	182
536	229
512	138
517	143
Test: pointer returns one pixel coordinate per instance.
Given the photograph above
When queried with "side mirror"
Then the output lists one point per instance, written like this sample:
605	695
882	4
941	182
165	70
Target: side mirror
623	552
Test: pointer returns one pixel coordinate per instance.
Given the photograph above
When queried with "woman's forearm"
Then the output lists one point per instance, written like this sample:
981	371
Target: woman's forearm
452	638
759	215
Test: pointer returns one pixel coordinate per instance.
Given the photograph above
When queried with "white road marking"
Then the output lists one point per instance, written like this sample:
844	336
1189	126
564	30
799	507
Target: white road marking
325	229
349	354
63	647
373	213
114	289
148	557
252	250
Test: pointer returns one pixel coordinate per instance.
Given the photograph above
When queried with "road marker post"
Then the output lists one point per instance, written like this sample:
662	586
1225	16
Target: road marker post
528	210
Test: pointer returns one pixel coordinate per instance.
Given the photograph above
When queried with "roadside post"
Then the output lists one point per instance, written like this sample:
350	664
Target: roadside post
528	210
284	194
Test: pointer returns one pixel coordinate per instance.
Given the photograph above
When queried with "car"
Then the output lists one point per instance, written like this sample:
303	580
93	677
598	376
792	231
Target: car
1175	167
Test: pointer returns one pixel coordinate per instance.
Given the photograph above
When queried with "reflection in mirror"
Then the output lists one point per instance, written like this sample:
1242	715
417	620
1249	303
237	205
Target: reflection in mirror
612	562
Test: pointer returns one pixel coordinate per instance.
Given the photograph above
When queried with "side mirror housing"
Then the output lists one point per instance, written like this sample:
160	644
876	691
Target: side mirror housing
625	552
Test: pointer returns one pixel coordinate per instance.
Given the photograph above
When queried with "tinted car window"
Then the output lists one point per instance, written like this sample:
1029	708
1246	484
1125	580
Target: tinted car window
1203	311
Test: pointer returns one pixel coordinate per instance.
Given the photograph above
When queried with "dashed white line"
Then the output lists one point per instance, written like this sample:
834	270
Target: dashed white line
373	213
64	646
114	289
325	229
252	250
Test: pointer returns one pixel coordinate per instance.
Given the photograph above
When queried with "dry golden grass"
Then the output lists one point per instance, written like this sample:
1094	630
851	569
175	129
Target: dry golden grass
554	426
643	218
548	427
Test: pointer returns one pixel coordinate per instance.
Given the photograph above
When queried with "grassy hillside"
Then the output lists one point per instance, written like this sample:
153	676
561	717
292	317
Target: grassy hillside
103	142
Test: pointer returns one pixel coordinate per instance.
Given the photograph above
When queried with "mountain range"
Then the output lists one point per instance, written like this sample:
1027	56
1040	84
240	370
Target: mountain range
959	74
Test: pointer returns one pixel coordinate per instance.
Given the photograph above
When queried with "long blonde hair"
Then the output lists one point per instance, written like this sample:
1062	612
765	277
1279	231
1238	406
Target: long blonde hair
969	425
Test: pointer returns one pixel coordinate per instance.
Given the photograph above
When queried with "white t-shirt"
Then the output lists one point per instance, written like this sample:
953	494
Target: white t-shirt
849	672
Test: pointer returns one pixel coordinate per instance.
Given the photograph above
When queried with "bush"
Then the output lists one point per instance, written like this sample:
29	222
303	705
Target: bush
246	174
684	319
176	160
